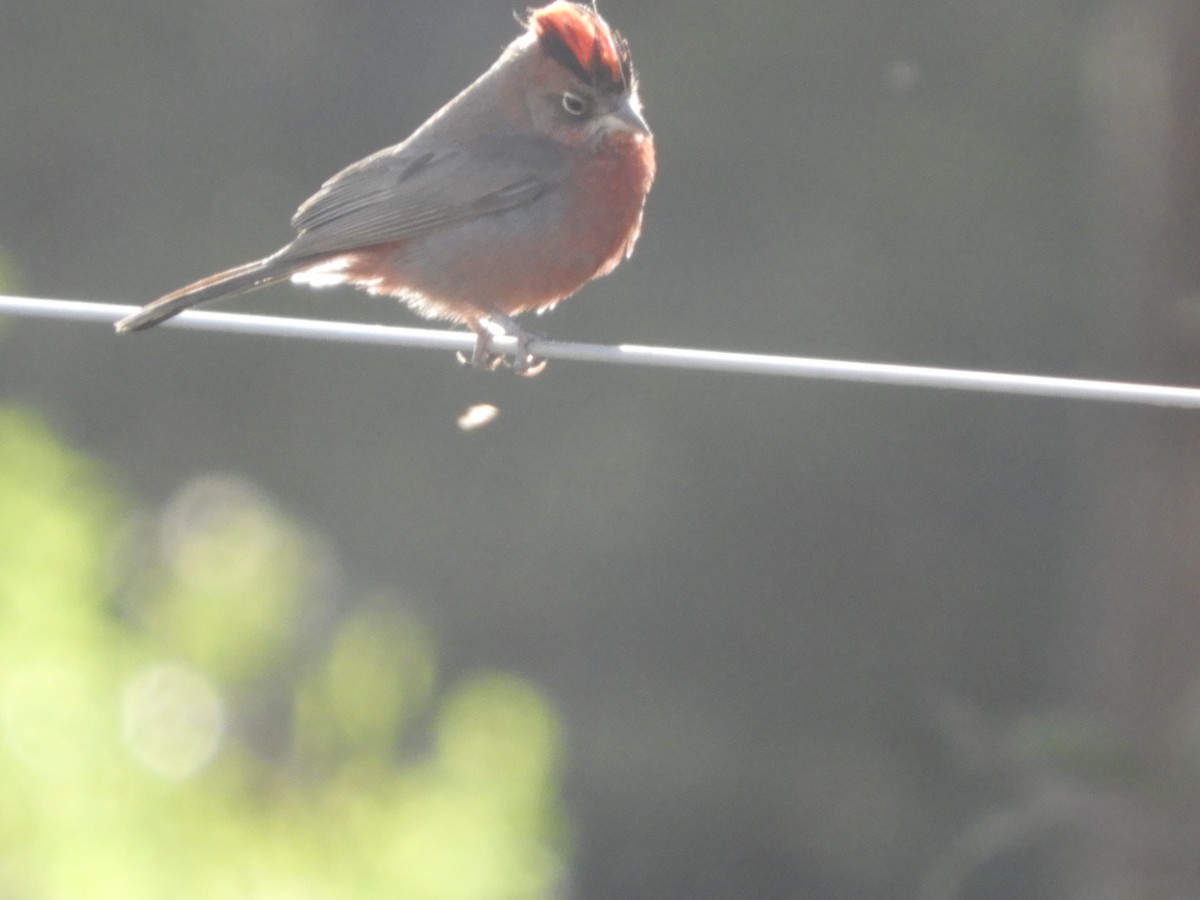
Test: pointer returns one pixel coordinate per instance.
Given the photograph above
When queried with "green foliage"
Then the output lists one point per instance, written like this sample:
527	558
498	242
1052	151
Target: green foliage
125	769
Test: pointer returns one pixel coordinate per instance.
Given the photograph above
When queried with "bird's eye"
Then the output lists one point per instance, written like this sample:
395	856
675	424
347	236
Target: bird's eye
574	104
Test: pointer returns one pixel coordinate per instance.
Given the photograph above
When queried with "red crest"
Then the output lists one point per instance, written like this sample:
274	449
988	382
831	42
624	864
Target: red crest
577	37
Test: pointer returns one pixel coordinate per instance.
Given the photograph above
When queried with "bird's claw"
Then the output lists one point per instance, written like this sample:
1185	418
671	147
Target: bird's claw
485	359
482	358
524	362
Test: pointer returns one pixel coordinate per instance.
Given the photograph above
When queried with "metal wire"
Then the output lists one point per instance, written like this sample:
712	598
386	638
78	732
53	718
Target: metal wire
634	354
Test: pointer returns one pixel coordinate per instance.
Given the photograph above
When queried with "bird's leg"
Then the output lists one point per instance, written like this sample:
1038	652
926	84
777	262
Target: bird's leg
496	324
482	357
523	362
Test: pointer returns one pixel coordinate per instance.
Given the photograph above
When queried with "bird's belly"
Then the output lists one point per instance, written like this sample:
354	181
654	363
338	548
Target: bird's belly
511	262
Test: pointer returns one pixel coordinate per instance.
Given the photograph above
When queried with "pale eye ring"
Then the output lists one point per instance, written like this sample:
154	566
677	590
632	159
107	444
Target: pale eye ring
574	104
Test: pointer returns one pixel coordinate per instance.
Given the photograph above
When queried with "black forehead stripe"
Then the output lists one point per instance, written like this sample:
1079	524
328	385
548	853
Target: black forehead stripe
598	75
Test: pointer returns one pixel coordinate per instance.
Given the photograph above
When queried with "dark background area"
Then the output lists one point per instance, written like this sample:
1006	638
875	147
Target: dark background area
807	639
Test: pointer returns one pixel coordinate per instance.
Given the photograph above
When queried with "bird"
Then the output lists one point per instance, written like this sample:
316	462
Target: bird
528	184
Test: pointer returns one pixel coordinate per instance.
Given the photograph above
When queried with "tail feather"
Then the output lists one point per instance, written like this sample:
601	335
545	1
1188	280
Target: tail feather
246	277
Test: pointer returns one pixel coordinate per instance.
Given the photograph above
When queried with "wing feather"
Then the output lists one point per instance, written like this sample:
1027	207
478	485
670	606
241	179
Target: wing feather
399	193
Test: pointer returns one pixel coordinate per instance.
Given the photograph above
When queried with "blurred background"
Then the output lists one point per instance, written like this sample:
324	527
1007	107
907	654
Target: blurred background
272	625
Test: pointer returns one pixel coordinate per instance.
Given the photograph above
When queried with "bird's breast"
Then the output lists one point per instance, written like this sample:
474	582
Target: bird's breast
606	193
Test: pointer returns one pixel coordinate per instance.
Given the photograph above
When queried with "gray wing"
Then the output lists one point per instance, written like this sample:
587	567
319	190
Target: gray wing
398	193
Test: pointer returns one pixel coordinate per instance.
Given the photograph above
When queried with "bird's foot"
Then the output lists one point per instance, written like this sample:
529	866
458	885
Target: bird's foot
485	359
482	358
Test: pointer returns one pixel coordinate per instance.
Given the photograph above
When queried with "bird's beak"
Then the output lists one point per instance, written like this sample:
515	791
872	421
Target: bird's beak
627	117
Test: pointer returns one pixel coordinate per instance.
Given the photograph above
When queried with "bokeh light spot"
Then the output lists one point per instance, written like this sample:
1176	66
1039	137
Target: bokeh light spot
172	719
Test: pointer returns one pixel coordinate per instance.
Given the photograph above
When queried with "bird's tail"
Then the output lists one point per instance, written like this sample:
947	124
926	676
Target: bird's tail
246	277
